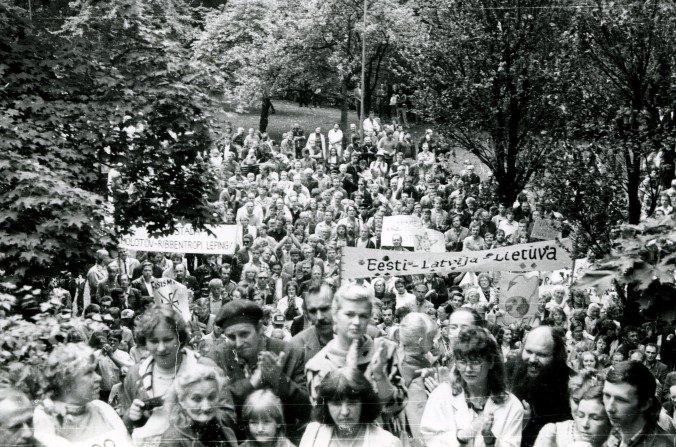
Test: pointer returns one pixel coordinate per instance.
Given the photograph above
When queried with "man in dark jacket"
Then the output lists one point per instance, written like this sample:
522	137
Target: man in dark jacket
539	378
253	361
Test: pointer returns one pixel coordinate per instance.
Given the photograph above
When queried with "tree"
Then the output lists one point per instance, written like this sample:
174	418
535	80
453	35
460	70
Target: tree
641	264
330	35
492	77
111	86
587	192
626	50
241	54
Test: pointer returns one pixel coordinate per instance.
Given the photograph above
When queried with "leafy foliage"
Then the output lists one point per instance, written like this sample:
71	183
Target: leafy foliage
624	85
643	257
111	87
588	193
493	75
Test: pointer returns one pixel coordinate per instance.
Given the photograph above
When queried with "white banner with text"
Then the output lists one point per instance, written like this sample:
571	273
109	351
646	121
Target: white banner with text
359	262
222	241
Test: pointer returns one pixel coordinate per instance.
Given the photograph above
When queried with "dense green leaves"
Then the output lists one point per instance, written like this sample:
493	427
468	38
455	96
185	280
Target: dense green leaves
110	89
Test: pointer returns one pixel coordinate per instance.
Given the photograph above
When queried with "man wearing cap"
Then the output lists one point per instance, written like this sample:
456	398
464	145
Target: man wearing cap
253	361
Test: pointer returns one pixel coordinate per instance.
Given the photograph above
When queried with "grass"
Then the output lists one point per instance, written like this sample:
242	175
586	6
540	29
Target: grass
288	113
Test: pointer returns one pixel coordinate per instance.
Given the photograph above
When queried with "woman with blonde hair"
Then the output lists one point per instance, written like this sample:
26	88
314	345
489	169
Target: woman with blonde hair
196	416
72	411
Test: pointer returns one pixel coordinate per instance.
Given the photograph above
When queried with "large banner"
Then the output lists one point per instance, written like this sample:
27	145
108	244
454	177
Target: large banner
172	293
359	262
185	240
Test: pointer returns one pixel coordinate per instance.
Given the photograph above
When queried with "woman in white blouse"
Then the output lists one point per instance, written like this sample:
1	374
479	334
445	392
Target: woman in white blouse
475	409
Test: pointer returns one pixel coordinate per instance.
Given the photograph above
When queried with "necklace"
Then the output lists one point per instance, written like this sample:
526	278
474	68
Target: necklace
351	441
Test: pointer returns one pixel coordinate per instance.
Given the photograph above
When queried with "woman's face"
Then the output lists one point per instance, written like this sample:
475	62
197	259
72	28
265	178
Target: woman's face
345	414
591	421
507	336
588	361
557	317
263	429
200	401
473	371
291	291
601	345
457	321
559	294
473	297
340	230
163	345
236	295
379	287
85	386
250	275
484	282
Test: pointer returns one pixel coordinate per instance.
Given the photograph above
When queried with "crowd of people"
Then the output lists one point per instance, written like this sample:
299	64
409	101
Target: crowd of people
278	351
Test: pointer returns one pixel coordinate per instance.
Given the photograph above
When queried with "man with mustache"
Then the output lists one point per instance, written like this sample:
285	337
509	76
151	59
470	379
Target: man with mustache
317	309
539	378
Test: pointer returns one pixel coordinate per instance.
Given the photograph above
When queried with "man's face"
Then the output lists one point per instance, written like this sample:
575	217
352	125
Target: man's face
617	358
124	281
16	423
122	253
650	353
622	404
632	337
352	319
396	240
180	271
318	307
538	352
244	338
147	272
388	316
420	291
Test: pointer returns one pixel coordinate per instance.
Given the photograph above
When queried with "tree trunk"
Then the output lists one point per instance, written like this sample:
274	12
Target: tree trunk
507	190
633	184
344	106
265	113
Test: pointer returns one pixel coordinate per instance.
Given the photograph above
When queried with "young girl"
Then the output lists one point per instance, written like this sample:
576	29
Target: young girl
197	418
263	415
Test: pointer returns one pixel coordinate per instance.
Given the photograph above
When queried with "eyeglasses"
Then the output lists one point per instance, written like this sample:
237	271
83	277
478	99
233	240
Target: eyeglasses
464	363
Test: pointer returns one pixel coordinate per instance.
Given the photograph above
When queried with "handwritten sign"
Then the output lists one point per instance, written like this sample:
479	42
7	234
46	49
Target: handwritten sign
518	297
222	241
360	262
544	229
172	293
404	225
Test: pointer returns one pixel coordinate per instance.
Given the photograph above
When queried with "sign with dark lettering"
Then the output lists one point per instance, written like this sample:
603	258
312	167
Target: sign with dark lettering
222	241
359	262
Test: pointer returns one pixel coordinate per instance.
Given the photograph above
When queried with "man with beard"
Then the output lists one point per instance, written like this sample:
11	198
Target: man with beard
16	419
253	361
317	309
539	378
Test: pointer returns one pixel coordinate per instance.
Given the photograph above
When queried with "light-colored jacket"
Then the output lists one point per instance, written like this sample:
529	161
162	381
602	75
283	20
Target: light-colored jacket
445	414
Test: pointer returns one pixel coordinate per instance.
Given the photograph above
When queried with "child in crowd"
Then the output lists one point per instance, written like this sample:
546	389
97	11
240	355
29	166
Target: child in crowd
264	417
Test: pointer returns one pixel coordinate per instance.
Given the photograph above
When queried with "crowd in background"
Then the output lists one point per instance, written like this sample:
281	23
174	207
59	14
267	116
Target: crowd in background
279	352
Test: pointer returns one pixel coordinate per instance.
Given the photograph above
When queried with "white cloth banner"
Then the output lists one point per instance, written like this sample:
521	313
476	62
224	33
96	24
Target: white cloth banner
359	262
185	240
